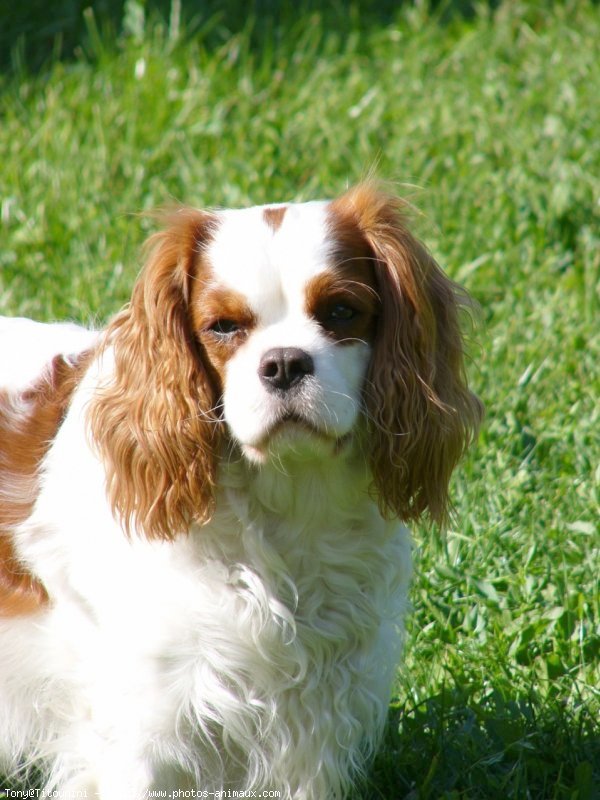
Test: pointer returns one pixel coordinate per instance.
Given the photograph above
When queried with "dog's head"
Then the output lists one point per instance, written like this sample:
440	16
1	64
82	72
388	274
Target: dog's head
288	331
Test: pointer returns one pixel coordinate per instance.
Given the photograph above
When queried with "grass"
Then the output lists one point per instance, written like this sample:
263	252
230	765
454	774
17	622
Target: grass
493	114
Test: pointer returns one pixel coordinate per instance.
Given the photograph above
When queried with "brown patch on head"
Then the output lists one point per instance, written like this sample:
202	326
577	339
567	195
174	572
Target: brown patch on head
344	298
344	303
29	421
274	216
222	321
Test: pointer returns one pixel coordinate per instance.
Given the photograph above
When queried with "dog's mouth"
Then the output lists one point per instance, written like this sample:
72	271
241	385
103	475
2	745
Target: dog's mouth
292	424
295	433
291	420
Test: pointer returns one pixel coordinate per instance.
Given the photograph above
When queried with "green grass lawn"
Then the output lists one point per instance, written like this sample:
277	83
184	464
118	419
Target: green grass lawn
490	122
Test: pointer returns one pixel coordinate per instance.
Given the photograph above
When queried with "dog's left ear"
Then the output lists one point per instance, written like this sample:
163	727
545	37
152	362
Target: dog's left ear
420	412
154	422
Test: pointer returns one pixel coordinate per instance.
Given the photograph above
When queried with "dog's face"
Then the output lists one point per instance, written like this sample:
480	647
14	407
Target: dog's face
286	314
282	330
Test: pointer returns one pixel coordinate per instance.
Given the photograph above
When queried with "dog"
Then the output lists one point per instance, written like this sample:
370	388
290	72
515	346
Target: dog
205	562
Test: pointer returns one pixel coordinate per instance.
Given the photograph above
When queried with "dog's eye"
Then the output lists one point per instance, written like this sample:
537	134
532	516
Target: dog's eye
340	312
225	327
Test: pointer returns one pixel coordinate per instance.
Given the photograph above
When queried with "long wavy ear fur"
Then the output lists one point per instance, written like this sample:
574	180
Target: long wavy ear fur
154	423
421	414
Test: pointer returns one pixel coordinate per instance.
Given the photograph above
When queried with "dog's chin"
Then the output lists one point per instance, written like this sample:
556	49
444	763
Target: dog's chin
295	438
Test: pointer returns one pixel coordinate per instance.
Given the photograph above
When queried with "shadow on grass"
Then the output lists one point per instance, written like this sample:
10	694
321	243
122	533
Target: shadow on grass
451	747
35	33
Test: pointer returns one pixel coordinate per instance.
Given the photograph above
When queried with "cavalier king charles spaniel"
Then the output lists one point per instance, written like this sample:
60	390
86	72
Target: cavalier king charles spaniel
203	561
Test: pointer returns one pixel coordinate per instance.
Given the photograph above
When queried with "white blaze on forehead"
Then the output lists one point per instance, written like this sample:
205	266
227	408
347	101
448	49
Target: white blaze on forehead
271	267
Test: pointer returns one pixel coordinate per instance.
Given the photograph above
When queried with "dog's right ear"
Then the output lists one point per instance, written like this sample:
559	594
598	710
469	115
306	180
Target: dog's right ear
155	423
420	411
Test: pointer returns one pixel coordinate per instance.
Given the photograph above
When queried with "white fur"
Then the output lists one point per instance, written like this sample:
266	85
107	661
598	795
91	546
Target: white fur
27	346
258	651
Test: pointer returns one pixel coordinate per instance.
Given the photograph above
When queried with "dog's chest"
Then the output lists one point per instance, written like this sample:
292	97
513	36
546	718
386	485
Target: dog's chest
278	616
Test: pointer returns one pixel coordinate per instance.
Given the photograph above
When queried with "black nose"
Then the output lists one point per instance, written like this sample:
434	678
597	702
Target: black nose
284	367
